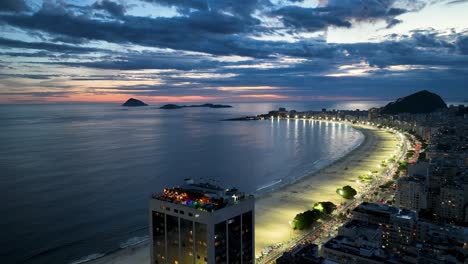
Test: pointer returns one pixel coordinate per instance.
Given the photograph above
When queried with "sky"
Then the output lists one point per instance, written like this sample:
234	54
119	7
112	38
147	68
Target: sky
231	50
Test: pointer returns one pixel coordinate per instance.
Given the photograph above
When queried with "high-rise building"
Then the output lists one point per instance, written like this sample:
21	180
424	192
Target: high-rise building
202	223
398	225
411	193
451	202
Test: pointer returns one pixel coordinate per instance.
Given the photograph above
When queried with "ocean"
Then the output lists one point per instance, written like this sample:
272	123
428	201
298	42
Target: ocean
75	179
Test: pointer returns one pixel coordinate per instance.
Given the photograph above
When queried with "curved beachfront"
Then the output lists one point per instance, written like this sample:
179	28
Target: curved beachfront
275	209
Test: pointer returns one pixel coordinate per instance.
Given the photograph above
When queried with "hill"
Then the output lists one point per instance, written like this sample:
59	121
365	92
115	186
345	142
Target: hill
417	103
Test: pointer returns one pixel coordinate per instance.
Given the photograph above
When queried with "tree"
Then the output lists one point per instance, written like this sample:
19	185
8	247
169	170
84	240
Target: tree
306	219
365	177
402	165
325	207
346	192
387	185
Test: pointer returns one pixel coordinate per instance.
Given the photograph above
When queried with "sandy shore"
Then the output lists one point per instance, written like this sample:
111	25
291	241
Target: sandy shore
274	210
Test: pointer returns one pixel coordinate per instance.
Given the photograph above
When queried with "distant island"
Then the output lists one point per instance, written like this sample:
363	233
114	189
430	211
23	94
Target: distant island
134	102
422	102
174	106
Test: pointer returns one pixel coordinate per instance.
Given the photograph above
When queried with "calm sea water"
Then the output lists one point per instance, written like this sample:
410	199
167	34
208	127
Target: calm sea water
75	179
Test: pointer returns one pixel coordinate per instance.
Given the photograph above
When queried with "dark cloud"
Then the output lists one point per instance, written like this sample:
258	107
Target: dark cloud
11	43
79	36
462	44
203	31
184	5
28	76
234	7
308	19
13	6
393	23
341	13
110	7
148	60
426	48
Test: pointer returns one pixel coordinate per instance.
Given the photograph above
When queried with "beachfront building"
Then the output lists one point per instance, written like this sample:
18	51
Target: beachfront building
306	253
411	193
452	202
398	225
412	190
201	223
351	250
422	241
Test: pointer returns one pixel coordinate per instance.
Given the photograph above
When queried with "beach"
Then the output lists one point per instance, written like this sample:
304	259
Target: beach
275	209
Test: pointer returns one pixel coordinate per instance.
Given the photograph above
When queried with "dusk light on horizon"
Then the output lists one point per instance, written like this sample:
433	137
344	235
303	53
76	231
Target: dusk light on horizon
231	51
234	131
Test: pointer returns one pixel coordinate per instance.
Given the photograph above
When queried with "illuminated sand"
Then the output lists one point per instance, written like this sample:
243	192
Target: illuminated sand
274	210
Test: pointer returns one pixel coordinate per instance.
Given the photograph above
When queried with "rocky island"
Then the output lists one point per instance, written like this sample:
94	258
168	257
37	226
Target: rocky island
134	102
174	106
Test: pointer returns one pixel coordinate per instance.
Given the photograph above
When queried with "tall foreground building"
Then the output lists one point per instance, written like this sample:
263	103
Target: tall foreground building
202	223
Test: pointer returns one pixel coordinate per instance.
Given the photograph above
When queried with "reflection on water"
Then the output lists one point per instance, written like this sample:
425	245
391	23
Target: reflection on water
76	178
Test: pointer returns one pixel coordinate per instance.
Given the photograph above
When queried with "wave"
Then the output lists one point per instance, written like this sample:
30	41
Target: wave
134	241
316	166
88	258
269	185
131	242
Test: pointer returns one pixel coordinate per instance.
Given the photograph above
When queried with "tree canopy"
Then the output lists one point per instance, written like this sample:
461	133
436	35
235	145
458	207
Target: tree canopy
306	219
346	192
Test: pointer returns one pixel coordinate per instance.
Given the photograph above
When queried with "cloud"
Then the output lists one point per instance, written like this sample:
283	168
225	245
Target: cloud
216	49
393	22
308	19
14	6
203	31
110	7
343	13
462	43
63	48
183	4
244	9
457	2
148	60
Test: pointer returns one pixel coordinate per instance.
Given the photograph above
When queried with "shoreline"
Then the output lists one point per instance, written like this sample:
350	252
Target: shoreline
285	199
273	227
284	182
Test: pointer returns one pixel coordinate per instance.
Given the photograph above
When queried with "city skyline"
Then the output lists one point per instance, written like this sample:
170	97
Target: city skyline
201	50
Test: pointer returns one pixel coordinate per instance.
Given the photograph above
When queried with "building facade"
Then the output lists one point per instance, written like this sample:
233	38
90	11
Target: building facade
202	223
411	193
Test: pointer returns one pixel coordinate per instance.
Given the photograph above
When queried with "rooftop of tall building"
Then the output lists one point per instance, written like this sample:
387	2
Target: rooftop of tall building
202	196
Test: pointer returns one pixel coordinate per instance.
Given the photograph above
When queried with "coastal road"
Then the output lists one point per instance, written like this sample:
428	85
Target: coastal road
321	232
